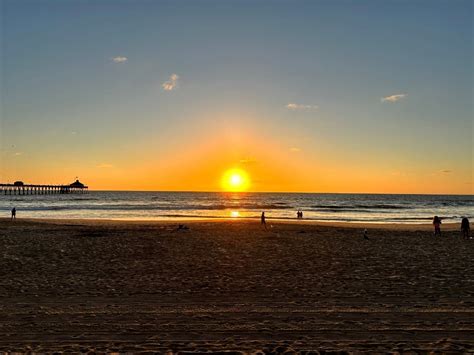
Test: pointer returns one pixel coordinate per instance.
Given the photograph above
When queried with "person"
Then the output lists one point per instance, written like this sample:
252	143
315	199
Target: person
298	216
13	213
465	228
366	237
262	218
301	214
437	225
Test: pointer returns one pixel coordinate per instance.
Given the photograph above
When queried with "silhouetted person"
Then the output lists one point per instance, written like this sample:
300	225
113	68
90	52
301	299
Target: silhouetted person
465	228
13	213
437	225
262	219
301	214
298	216
366	237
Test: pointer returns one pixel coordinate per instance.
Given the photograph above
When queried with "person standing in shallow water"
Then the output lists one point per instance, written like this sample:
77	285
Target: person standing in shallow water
262	219
13	213
465	228
437	225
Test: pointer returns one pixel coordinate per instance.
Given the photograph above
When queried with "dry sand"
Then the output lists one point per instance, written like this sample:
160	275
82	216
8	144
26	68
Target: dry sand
233	286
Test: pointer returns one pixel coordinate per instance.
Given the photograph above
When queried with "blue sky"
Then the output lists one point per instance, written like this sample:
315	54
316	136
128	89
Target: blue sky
83	81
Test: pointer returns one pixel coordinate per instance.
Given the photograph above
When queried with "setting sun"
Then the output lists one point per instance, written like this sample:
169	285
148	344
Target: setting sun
235	180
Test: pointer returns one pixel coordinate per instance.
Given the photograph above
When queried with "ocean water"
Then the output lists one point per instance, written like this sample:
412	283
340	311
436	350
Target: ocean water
376	208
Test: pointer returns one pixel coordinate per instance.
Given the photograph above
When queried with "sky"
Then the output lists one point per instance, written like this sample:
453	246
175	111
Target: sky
304	96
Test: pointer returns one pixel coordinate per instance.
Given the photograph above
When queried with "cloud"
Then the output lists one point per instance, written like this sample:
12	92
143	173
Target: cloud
172	83
295	150
393	98
119	59
105	166
299	107
18	154
446	171
247	161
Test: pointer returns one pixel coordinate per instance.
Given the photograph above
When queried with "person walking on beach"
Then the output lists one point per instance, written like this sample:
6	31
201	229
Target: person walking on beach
13	213
465	228
366	237
437	225
262	219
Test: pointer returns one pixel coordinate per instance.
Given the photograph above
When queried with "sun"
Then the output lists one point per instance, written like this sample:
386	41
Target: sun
235	180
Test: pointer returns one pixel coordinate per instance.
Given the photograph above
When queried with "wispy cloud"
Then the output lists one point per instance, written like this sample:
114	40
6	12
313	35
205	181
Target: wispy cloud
119	59
18	154
172	83
393	98
105	166
247	161
300	107
295	150
441	172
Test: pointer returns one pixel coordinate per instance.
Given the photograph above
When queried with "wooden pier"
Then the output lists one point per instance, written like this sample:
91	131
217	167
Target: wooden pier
19	188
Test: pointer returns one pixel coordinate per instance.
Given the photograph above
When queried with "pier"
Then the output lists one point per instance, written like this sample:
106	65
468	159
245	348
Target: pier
20	188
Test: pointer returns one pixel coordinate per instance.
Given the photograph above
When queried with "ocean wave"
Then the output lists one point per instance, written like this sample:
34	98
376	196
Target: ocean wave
360	207
316	207
148	207
340	211
428	218
365	206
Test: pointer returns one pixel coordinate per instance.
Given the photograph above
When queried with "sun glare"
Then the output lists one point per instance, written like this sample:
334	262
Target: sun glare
235	180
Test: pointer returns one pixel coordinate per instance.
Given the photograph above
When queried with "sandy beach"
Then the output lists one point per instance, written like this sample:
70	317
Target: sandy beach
230	285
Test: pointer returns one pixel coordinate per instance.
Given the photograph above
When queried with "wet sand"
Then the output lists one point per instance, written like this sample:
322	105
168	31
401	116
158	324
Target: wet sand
233	286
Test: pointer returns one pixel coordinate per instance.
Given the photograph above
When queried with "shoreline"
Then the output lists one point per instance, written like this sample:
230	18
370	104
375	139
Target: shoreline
240	220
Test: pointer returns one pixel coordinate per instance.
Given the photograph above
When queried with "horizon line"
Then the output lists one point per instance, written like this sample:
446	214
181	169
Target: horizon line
289	192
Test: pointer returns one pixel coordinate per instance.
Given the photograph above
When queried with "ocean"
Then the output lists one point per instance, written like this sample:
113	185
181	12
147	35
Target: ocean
128	205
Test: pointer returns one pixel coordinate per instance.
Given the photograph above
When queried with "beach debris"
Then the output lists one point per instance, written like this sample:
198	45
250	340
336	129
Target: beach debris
182	227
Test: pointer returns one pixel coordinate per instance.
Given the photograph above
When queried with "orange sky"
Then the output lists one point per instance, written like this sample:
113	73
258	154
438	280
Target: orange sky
197	163
171	95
